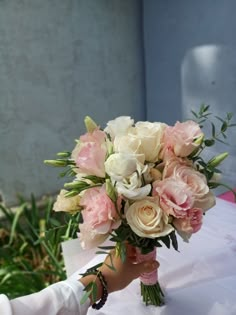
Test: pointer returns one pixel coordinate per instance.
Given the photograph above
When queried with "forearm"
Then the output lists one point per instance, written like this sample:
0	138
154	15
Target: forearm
62	297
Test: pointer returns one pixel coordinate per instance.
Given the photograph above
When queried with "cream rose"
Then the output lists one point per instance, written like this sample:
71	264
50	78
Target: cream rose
147	219
67	204
127	144
150	135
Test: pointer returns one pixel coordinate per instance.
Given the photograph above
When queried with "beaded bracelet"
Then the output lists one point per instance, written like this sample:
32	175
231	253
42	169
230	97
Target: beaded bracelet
98	273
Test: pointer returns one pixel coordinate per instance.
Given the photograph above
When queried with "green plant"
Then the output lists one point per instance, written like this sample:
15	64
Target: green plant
30	251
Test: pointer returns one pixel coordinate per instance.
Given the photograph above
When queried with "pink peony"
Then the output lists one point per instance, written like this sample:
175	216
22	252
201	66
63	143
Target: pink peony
90	153
175	196
181	138
99	217
191	223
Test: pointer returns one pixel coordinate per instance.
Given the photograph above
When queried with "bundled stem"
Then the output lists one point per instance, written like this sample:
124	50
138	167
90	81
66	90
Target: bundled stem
152	294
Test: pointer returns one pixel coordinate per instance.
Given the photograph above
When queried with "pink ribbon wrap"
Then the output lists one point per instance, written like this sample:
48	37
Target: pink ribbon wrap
147	278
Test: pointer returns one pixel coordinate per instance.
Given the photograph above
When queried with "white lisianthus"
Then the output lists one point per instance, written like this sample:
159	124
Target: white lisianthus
147	219
120	165
150	136
131	187
67	204
119	126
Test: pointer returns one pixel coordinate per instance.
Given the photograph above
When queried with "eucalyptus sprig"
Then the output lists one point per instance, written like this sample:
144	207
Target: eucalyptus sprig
203	115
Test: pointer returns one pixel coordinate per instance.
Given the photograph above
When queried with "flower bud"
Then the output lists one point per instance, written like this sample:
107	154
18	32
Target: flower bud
56	163
216	160
71	193
90	124
64	154
199	140
76	185
110	190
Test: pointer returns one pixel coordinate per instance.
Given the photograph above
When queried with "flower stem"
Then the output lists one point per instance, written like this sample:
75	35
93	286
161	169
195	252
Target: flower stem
152	294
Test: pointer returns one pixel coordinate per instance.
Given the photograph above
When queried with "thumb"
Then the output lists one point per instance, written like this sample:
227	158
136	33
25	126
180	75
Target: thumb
146	266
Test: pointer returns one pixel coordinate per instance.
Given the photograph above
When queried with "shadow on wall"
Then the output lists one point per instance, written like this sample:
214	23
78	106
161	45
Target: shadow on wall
208	74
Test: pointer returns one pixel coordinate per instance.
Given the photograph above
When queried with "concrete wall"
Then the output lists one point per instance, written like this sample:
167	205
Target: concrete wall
59	61
190	59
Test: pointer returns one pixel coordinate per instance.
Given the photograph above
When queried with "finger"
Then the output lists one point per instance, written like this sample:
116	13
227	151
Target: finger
131	252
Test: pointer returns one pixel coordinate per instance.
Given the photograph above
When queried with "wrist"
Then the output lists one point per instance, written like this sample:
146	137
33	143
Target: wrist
96	286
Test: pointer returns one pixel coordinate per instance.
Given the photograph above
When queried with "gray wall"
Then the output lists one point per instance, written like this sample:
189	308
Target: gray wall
59	61
190	59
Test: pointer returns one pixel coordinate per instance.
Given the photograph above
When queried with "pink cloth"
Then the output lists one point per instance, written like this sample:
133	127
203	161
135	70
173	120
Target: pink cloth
228	196
151	277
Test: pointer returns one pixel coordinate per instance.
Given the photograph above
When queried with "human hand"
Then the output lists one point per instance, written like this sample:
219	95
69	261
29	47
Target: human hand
125	272
122	274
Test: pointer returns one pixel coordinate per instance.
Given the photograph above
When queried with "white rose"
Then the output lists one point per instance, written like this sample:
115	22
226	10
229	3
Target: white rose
150	135
121	165
147	219
127	144
119	126
67	204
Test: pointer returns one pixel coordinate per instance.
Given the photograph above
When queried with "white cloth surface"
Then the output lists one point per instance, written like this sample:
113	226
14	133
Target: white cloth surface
200	279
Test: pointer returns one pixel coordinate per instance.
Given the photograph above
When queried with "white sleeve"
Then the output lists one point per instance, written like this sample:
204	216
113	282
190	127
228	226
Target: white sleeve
62	298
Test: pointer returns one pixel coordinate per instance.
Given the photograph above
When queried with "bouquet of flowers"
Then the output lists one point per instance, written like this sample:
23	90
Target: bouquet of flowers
141	183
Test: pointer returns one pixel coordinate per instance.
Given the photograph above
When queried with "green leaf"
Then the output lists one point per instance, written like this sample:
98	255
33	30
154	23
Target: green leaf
106	247
110	267
213	185
166	241
15	222
85	297
194	114
219	118
94	291
209	142
224	126
101	252
213	130
174	240
229	116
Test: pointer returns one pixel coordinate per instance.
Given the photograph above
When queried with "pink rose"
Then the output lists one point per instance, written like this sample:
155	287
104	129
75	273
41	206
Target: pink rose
181	138
195	180
90	153
191	223
175	196
99	217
